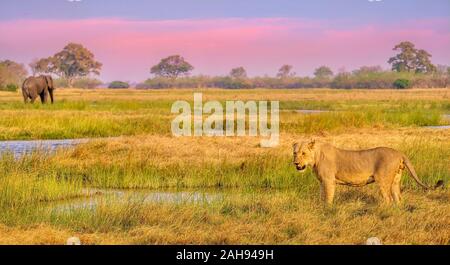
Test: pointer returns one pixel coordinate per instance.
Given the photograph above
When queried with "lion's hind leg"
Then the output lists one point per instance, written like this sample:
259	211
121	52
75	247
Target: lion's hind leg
386	194
395	188
385	187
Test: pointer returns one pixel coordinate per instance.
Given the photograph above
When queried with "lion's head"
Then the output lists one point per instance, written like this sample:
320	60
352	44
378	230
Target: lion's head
303	155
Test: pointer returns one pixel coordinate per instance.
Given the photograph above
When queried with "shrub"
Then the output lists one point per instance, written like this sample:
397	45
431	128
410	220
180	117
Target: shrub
60	82
349	80
118	84
84	82
10	87
402	83
87	83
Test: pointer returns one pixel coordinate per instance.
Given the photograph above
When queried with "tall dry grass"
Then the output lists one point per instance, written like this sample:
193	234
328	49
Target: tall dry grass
265	199
103	113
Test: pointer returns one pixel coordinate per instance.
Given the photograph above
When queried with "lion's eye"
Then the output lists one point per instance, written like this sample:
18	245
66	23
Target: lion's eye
303	153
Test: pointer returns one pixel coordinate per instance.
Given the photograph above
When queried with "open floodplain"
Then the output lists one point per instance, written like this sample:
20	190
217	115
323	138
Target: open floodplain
129	181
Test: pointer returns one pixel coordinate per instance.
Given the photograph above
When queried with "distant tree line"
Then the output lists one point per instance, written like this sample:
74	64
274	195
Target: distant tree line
76	66
11	75
345	80
411	67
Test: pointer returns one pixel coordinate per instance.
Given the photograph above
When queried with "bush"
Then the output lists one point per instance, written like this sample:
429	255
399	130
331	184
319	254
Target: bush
60	82
87	83
402	83
10	87
118	84
83	82
232	83
348	80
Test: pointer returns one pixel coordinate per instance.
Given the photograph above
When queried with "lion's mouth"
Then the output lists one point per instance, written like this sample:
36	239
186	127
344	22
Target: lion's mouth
300	168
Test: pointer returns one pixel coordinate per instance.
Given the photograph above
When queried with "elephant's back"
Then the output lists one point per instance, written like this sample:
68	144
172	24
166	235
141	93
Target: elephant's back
26	82
32	81
27	85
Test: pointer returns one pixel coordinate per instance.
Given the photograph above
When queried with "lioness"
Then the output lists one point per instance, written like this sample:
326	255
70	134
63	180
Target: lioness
355	168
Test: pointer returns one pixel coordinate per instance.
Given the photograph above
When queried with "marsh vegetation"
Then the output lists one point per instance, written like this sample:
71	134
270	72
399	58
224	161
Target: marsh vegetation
263	199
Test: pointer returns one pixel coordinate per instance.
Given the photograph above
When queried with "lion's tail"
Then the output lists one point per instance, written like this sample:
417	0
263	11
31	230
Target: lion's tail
413	174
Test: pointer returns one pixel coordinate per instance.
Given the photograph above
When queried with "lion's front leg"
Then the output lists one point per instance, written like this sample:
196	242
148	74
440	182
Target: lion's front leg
328	188
322	192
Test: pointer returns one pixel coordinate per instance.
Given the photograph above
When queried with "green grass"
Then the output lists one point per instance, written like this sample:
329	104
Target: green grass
254	217
36	177
382	105
362	114
365	118
113	117
274	202
27	182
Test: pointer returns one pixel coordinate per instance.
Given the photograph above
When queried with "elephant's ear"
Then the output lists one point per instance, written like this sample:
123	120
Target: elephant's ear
49	81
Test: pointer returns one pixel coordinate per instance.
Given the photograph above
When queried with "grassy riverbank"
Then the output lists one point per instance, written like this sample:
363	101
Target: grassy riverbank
266	200
103	113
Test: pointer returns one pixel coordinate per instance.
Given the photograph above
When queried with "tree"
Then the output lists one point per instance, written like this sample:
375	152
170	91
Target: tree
402	83
11	73
409	59
423	62
33	66
285	71
3	76
40	66
405	60
118	84
86	82
74	61
323	72
365	70
238	73
442	69
343	79
172	67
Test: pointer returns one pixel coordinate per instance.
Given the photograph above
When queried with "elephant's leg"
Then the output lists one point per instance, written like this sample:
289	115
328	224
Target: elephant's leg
50	91
44	97
25	98
33	98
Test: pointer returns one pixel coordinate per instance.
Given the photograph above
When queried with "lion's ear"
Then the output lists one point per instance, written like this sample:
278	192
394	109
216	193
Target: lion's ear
294	145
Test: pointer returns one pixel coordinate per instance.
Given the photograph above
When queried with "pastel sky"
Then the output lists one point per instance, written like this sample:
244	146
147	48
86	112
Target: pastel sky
130	36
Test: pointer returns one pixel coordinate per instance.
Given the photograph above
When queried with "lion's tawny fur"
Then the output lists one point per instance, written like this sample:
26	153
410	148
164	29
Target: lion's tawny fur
333	166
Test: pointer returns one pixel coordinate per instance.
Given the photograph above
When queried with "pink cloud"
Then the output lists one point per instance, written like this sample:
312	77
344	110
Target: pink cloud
127	48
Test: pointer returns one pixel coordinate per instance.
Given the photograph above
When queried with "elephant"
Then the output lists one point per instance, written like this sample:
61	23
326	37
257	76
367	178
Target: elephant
40	86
